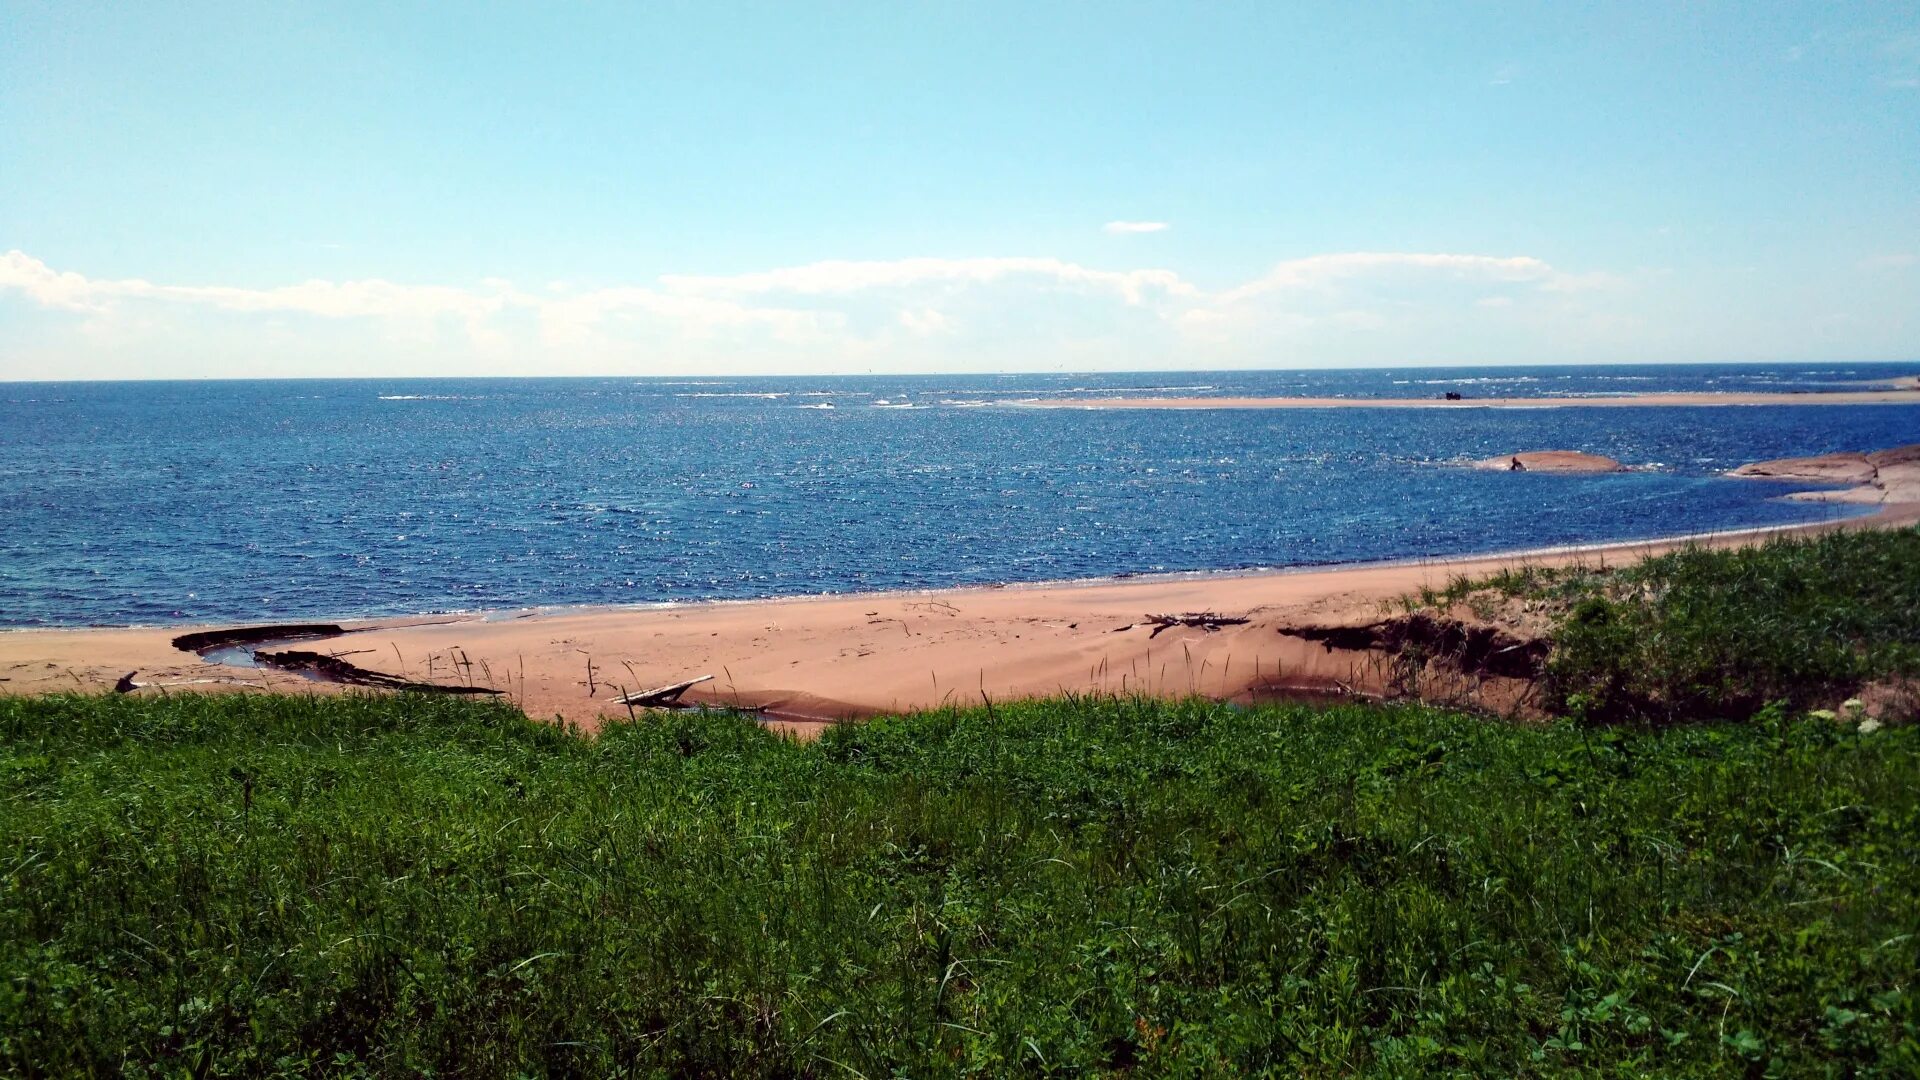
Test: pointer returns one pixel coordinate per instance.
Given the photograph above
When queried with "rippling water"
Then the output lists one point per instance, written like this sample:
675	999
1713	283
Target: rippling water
136	503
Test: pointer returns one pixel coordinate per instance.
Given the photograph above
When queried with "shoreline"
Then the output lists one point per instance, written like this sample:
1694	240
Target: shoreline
403	620
810	661
1902	394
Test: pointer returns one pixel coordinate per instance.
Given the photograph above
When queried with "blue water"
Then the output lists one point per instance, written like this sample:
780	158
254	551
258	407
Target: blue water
144	503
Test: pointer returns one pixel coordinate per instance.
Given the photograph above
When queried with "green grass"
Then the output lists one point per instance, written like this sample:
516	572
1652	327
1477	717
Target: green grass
239	885
1701	634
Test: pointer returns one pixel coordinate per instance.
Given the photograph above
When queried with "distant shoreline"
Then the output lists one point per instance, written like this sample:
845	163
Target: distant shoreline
1907	393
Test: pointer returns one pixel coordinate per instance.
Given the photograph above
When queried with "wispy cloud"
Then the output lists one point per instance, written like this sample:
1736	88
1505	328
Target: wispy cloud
1902	46
707	301
1897	261
843	277
1900	57
1321	270
1127	228
371	297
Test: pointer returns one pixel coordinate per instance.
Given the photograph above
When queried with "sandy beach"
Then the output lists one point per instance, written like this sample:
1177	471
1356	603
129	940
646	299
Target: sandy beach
1904	393
811	661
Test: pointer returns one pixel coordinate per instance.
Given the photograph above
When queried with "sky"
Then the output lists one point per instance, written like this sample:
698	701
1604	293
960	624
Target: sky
255	190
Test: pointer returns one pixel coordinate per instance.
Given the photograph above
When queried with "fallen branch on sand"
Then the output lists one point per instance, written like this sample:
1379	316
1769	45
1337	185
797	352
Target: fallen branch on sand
1205	620
662	696
335	670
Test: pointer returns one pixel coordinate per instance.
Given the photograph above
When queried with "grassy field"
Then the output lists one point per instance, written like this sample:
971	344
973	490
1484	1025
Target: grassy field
239	885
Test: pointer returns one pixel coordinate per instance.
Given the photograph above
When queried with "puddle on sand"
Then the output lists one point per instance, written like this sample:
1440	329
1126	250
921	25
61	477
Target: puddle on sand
231	655
242	656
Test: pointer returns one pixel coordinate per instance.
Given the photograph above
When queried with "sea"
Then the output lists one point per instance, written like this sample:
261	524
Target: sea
165	503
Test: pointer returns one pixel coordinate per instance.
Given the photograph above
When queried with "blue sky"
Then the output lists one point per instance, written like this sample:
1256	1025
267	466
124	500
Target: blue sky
221	190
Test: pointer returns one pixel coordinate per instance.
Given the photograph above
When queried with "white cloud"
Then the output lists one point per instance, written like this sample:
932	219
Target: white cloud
1022	311
920	314
1125	228
925	321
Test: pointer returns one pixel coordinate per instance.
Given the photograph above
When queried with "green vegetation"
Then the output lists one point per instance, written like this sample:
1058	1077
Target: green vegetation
1701	634
238	885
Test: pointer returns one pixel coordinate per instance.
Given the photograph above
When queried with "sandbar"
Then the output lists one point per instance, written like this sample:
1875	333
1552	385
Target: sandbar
1905	396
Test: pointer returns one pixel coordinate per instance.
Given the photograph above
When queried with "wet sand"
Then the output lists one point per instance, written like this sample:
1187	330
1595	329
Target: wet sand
815	660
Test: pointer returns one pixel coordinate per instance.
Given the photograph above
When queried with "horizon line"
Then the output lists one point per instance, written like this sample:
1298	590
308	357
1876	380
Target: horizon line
1010	373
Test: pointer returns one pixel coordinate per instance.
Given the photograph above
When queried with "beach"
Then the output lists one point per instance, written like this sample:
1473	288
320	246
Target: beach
811	661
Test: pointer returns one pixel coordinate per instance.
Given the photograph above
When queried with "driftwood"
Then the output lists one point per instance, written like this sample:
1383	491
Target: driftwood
1205	620
662	696
332	669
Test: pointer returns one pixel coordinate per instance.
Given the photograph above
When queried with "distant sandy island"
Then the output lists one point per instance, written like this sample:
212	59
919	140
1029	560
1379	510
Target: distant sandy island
1552	461
1906	392
811	661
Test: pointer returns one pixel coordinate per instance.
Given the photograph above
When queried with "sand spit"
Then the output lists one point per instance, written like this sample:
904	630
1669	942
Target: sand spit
1905	393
